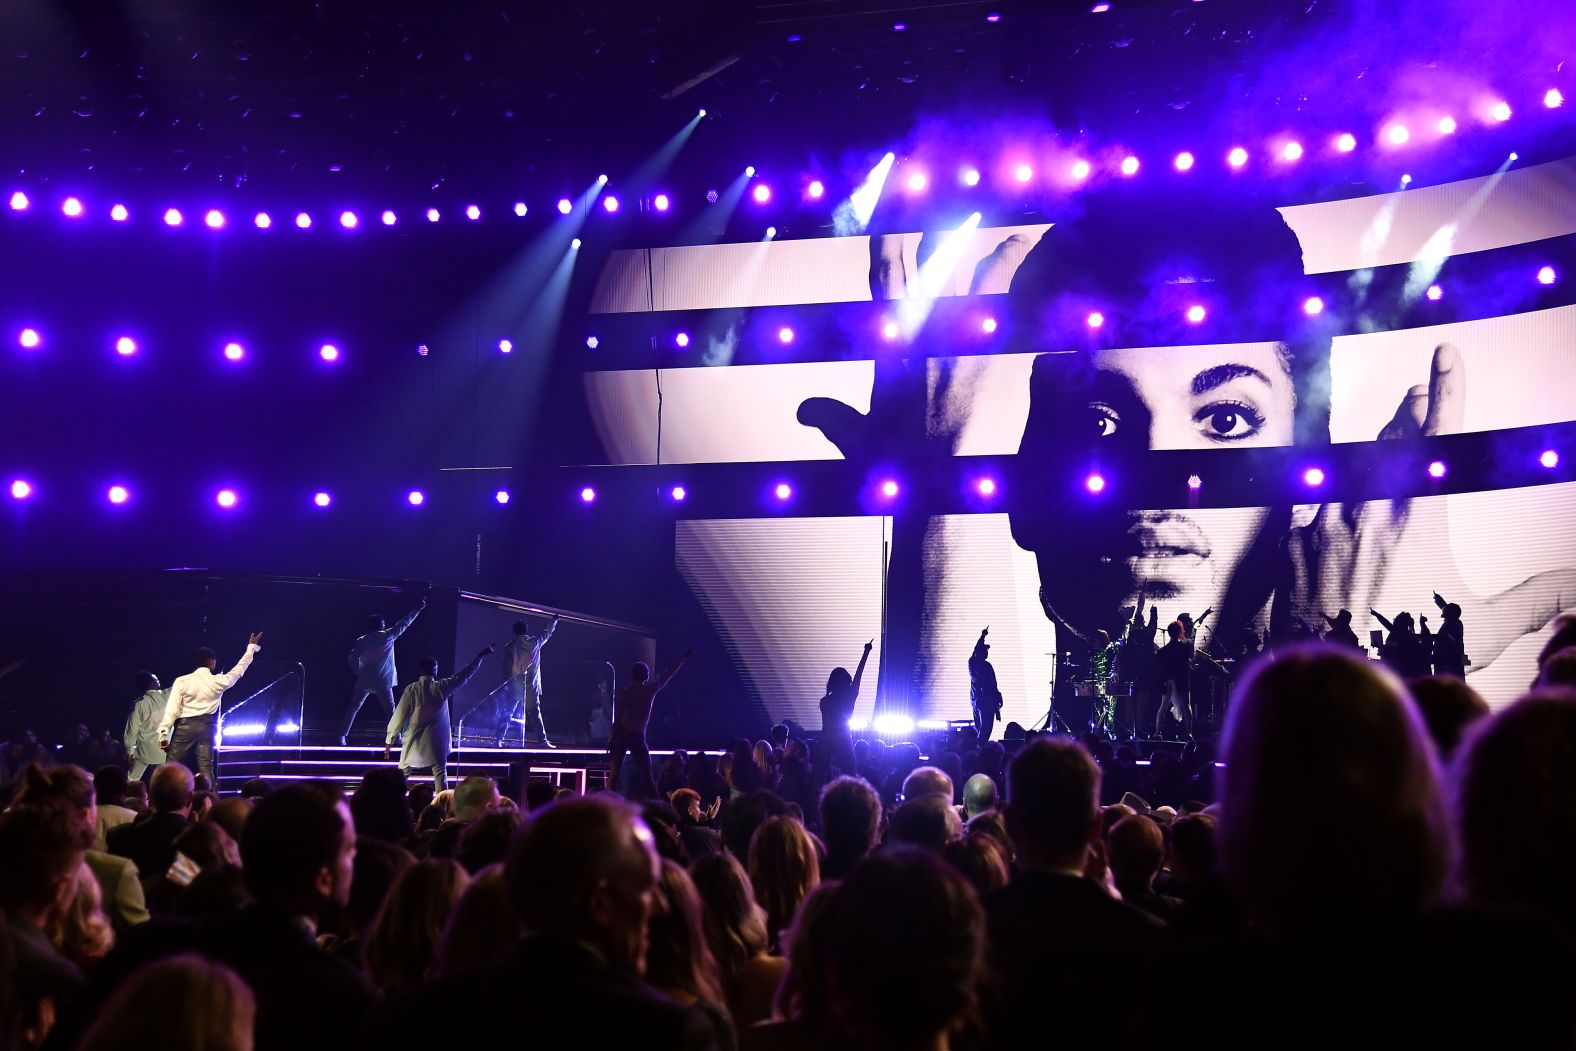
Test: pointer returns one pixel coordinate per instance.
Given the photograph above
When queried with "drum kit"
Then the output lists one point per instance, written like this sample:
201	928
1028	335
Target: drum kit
1111	708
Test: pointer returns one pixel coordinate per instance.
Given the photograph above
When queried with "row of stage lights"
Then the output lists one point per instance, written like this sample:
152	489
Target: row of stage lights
32	338
914	178
888	489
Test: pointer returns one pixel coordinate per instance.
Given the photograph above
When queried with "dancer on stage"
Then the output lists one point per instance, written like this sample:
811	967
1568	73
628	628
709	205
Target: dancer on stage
191	715
1341	632
984	695
522	666
1175	665
1450	644
372	662
630	719
837	707
421	720
142	726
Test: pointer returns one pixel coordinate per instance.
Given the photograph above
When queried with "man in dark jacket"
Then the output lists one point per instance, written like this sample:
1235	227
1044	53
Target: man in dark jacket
149	841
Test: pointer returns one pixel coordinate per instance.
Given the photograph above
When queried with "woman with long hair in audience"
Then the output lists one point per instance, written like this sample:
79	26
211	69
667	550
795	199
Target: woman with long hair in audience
801	1009
766	761
402	949
735	927
483	929
82	932
784	868
184	1003
678	959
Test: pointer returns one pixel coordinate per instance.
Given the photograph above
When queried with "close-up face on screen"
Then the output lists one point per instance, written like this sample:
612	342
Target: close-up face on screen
1044	573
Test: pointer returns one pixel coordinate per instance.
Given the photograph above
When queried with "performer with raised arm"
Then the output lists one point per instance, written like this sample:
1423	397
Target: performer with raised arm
522	666
142	726
984	694
1341	632
1450	643
191	715
837	708
1175	667
631	716
421	720
1404	651
372	663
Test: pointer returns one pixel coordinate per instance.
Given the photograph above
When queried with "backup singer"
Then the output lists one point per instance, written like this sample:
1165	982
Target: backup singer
191	715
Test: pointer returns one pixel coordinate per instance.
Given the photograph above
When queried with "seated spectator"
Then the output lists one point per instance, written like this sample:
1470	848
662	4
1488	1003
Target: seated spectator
182	1002
202	805
582	875
218	892
802	1008
1449	708
927	780
979	795
679	963
1135	850
850	823
401	949
744	814
928	821
1559	670
150	842
377	866
202	847
43	850
483	928
68	788
982	860
784	867
994	824
231	814
254	789
136	799
109	789
538	793
906	960
736	931
1052	927
486	840
379	808
82	932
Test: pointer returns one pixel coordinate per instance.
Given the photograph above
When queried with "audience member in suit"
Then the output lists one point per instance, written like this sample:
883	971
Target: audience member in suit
109	787
1135	849
1058	939
150	841
583	876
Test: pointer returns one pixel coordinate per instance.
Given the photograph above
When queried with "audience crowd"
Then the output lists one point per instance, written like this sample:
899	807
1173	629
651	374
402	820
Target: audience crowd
1356	862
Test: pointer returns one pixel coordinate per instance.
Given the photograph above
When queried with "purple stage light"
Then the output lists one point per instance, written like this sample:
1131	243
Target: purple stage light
226	498
505	346
1345	142
21	489
1435	293
321	499
564	206
1291	151
1549	459
1313	305
575	244
416	497
213	219
303	221
889	330
1500	111
262	220
1080	170
782	491
678	494
587	495
328	352
601	180
29	338
917	182
388	217
592	342
433	215
1546	275
125	346
1398	134
234	352
1095	319
1196	313
71	208
971	177
118	494
988	325
771	232
1436	469
1184	161
422	350
520	209
993	18
1313	477
1100	9
762	193
1446	125
19	201
681	339
1023	173
898	27
349	220
118	213
1129	165
1194	482
472	212
661	202
1095	483
173	217
986	486
1553	99
1237	157
610	204
816	190
785	335
501	496
889	488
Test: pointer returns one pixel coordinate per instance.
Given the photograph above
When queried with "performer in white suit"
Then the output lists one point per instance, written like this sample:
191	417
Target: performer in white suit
142	726
522	665
421	720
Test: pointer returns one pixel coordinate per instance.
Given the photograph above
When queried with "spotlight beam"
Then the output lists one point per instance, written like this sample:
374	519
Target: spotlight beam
933	274
853	215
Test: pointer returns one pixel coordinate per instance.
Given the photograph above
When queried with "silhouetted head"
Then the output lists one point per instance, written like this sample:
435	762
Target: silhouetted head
640	671
1403	621
1452	611
979	795
838	680
428	666
206	658
375	623
1175	629
1344	618
144	681
520	628
1102	638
